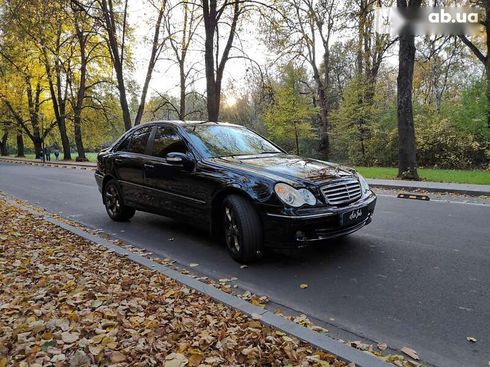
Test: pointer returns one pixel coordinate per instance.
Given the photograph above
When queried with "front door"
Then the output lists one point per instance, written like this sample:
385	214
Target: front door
173	186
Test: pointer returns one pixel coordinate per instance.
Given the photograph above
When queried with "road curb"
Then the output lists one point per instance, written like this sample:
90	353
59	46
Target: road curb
431	189
58	164
321	341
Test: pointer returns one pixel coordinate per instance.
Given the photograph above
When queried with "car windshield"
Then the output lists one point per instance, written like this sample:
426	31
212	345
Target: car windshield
221	141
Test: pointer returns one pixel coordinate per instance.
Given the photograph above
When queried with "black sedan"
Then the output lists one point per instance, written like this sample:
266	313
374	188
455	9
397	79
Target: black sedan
232	182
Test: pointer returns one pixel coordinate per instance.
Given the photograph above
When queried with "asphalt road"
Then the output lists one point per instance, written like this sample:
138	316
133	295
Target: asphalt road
417	276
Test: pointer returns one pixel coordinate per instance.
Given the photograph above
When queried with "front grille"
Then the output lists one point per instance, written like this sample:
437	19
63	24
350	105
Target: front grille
342	192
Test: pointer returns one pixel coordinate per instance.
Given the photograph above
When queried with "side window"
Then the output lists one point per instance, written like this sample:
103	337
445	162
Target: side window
136	142
123	147
167	140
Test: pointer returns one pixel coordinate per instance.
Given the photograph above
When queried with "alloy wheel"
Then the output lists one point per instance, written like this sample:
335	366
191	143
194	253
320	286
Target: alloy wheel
231	230
113	200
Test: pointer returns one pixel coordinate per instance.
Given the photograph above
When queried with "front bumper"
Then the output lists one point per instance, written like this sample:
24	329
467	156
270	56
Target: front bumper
287	229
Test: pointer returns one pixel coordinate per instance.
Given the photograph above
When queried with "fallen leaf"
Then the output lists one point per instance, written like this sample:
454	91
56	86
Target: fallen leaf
193	265
382	346
117	357
58	358
410	352
95	350
96	303
243	266
303	285
359	345
69	337
319	329
196	357
471	339
79	359
175	360
212	360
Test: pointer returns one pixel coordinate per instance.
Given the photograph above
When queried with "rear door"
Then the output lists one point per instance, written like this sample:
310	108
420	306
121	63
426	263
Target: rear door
129	161
175	189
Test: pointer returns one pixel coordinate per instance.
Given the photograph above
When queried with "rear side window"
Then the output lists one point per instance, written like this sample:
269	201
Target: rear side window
167	140
136	142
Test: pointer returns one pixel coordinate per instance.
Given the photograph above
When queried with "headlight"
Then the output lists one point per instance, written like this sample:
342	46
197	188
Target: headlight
292	197
364	185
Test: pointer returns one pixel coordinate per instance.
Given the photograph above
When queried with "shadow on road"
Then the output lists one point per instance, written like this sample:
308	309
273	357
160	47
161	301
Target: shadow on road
340	251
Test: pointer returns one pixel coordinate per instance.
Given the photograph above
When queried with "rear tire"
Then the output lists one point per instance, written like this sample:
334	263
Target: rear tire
114	204
242	229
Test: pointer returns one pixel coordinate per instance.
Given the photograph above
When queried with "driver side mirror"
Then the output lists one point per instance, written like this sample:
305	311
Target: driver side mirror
180	159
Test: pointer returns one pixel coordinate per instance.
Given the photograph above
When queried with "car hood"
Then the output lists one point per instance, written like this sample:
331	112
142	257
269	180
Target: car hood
290	167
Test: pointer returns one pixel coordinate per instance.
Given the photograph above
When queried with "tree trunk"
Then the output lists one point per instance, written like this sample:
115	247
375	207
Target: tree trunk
360	36
141	107
81	92
65	142
210	24
487	63
361	139
296	138
123	101
37	146
117	59
211	92
20	144
407	160
36	140
155	51
3	144
77	124
182	93
214	75
324	147
488	90
58	100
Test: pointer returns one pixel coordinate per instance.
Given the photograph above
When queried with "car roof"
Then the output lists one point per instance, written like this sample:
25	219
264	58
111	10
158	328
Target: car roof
188	123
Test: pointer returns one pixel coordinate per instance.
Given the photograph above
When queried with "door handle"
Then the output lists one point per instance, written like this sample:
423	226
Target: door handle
148	165
118	160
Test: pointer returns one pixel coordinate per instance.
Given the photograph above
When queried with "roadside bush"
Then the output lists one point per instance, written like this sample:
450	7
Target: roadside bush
441	145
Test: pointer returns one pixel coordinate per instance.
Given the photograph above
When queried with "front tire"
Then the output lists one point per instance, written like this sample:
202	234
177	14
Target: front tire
114	205
242	229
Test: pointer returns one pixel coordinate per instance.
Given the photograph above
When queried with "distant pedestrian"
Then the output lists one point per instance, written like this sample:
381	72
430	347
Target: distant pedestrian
47	152
41	154
56	152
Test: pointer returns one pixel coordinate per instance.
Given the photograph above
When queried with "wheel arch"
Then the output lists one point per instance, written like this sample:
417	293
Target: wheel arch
217	202
105	180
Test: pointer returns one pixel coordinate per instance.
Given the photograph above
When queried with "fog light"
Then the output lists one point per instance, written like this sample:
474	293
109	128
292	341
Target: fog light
300	236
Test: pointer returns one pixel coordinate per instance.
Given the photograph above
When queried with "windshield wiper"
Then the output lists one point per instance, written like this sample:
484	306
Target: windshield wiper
274	152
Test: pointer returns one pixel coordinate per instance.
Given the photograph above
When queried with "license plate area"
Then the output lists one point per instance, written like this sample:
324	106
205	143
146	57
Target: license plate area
354	216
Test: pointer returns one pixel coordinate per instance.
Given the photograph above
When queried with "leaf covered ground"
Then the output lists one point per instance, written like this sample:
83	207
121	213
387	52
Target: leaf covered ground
67	302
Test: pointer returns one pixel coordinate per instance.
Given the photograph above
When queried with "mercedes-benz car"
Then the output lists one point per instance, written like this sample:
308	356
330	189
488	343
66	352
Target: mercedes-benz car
233	182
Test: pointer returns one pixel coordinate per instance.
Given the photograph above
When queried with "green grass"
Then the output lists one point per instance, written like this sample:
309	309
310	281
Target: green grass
430	174
91	156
